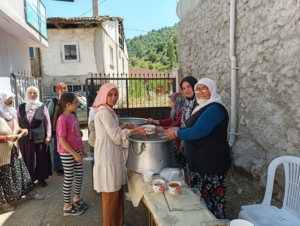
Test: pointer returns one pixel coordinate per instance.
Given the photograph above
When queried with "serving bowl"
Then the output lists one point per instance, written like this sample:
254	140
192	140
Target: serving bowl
158	185
174	187
150	130
147	176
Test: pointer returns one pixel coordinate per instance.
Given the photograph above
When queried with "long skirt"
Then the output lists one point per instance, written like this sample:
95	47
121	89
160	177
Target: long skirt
113	208
213	191
37	159
15	180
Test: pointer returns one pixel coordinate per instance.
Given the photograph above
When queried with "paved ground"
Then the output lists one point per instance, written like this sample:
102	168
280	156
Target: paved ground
48	212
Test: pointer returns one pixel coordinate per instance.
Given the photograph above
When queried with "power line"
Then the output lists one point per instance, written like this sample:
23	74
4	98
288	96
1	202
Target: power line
79	16
135	30
91	9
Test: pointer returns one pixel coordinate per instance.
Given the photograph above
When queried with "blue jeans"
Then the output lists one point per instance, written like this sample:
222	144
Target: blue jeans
56	161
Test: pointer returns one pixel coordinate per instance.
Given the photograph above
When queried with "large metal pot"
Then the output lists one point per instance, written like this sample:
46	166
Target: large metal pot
150	154
135	121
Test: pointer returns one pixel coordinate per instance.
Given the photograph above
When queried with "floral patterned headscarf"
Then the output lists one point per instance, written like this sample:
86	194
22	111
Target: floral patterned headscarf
179	102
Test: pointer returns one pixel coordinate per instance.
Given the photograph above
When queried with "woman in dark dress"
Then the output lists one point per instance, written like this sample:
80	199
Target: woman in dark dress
208	150
33	115
15	180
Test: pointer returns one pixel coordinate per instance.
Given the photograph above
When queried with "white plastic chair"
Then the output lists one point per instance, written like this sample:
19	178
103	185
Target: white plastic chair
289	215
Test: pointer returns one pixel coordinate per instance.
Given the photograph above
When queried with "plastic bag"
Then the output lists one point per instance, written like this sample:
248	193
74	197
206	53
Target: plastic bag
172	174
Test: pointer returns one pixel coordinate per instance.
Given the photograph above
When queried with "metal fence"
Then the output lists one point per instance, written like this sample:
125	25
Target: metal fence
20	83
139	95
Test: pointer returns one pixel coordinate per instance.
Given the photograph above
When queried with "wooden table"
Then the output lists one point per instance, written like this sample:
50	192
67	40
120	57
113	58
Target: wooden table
159	212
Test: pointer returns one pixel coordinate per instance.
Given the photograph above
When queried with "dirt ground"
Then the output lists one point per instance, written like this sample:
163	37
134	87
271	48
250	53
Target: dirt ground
242	190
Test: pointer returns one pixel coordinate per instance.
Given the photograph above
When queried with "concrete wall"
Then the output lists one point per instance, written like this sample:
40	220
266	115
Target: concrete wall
267	51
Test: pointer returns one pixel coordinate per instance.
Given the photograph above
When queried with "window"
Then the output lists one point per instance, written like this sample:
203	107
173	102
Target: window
31	52
70	52
123	65
111	54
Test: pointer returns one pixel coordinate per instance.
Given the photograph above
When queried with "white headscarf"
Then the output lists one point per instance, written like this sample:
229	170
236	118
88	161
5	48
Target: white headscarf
6	111
32	104
211	85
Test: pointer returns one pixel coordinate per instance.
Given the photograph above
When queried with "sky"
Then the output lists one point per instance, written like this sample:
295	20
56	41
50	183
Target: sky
140	16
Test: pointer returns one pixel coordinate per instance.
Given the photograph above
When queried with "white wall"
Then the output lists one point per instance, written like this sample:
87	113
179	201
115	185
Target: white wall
54	70
14	56
12	21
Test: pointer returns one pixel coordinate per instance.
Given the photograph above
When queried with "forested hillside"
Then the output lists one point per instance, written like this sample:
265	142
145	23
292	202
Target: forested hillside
157	50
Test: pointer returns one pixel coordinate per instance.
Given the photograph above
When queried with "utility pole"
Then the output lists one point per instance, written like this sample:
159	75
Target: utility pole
95	8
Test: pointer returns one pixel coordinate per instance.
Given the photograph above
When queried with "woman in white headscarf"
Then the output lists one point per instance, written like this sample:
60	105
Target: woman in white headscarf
208	150
15	180
33	115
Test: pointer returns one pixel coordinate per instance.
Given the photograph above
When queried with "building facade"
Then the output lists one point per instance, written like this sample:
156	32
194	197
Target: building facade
80	47
17	34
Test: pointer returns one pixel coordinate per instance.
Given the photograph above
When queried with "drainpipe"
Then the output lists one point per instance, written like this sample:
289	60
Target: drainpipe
233	69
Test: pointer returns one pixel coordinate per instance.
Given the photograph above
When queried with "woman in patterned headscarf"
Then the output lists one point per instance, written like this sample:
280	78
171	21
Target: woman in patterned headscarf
15	180
187	86
57	166
177	102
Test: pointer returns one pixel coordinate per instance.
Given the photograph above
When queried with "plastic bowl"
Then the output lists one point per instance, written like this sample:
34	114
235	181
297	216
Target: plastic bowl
158	185
147	176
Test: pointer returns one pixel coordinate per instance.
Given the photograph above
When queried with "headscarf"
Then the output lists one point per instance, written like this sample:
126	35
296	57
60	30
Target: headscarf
192	81
6	111
102	95
191	102
32	104
179	102
59	87
211	85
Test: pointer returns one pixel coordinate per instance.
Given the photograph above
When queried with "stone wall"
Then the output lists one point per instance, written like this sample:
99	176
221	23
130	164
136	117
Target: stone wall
267	50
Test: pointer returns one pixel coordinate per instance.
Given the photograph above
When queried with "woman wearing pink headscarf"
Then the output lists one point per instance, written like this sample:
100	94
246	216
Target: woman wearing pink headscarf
109	169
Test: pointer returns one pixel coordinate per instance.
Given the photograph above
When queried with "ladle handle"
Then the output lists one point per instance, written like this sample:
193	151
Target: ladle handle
143	147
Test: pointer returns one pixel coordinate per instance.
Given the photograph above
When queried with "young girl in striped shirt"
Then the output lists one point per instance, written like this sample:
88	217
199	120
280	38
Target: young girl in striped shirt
70	148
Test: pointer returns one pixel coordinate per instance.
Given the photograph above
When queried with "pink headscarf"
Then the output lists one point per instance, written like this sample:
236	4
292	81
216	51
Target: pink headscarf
102	95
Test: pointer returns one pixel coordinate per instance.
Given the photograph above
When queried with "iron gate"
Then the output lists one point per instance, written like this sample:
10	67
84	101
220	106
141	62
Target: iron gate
144	96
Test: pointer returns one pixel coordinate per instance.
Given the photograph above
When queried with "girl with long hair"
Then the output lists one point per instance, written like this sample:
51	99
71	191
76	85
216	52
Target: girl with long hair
70	148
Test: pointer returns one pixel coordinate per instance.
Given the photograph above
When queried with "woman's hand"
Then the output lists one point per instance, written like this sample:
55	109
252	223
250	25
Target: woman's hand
181	146
25	132
77	157
150	120
141	131
160	129
127	126
48	141
84	154
171	133
12	138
